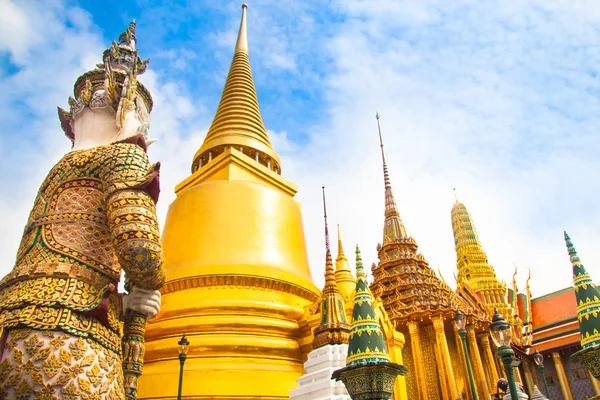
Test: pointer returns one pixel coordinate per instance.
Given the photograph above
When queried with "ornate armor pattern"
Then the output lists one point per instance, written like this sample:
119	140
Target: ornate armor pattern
94	216
56	365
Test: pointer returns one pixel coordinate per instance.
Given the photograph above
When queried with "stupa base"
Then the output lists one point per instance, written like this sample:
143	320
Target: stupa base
591	358
370	381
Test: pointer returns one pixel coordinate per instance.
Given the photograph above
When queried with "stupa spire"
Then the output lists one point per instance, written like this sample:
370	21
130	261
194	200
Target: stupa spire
329	272
238	122
393	227
366	339
241	45
343	274
334	328
340	246
588	300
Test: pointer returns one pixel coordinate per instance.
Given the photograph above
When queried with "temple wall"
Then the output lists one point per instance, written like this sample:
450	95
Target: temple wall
578	376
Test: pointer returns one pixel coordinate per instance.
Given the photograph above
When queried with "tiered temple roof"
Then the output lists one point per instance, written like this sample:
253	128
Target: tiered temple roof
408	287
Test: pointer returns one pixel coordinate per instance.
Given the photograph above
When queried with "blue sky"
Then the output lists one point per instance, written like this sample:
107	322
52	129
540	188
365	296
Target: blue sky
498	99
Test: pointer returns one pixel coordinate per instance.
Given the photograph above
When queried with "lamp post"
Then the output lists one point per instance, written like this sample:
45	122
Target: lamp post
501	332
460	320
183	349
538	358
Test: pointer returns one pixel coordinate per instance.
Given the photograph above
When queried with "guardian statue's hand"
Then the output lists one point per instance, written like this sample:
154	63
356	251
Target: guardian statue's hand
144	301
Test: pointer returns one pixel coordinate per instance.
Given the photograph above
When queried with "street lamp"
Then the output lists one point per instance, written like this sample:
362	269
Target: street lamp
460	320
183	349
501	332
538	358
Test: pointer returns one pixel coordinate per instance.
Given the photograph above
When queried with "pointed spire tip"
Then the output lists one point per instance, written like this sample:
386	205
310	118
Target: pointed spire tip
242	40
327	248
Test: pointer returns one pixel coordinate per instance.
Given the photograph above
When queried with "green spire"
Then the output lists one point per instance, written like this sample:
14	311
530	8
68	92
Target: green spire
366	339
588	300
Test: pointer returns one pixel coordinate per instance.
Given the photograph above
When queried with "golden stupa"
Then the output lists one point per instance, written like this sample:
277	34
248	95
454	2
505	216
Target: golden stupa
238	279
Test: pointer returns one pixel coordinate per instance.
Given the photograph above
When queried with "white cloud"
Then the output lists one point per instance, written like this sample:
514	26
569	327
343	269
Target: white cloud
49	56
473	111
16	33
29	148
490	99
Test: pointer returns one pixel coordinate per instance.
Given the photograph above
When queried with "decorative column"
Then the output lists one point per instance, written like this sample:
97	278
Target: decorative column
528	377
395	342
463	363
562	376
441	370
497	361
595	384
488	365
440	338
518	375
476	358
415	344
487	350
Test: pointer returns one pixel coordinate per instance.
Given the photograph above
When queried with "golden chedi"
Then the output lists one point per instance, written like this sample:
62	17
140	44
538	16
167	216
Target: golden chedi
238	278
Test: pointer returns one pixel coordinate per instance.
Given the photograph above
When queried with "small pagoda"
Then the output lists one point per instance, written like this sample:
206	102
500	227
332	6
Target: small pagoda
369	374
588	310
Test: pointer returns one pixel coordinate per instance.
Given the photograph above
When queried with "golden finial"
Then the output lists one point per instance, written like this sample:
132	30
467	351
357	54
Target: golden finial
340	247
440	274
515	289
242	40
455	196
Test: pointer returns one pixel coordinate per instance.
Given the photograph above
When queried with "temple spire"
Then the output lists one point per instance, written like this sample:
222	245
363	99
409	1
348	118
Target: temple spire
386	175
238	123
471	260
393	227
474	269
329	272
334	328
587	297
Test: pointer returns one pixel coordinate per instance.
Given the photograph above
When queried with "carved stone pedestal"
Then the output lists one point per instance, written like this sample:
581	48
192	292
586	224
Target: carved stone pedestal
591	358
370	381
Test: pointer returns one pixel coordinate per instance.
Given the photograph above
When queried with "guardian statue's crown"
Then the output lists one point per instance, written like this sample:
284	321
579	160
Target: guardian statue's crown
112	84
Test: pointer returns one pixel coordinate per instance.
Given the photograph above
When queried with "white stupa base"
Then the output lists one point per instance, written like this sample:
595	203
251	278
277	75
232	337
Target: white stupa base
317	384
